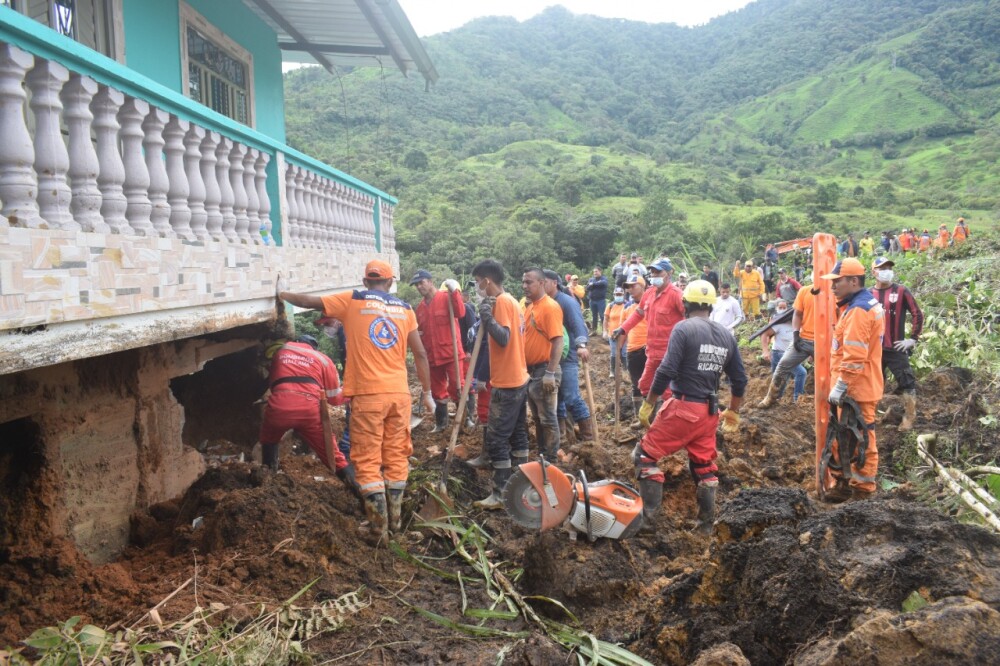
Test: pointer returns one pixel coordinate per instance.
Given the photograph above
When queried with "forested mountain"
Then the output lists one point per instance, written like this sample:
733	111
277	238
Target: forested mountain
558	138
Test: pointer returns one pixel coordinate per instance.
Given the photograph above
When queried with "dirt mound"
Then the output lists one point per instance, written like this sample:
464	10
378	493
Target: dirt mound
794	575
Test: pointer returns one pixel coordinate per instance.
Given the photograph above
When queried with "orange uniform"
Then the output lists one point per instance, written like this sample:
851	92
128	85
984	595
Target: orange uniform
637	336
805	303
942	239
614	315
507	369
377	325
960	233
857	360
543	321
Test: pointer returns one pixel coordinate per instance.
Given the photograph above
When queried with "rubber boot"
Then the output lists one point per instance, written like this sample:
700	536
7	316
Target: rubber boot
470	414
841	492
567	433
651	493
269	456
705	494
586	433
637	401
861	494
771	397
440	416
909	411
494	502
516	461
395	506
375	511
482	460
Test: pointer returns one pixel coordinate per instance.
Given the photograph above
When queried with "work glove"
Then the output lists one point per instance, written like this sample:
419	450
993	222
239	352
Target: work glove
906	345
730	421
346	474
486	308
428	401
452	285
550	382
838	393
617	333
646	414
797	343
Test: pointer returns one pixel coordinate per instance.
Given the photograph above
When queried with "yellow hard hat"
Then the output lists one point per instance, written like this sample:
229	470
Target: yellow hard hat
699	291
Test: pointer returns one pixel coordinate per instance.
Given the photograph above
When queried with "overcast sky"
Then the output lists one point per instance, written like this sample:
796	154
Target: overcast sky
430	17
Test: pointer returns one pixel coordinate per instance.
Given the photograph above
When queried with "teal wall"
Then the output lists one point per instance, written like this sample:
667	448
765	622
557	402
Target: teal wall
153	48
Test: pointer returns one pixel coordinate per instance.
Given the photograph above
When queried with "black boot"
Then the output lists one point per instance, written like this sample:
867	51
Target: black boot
269	456
375	511
441	416
706	505
494	502
651	493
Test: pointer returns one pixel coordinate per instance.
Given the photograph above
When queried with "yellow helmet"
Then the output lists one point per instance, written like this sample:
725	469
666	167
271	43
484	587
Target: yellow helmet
700	291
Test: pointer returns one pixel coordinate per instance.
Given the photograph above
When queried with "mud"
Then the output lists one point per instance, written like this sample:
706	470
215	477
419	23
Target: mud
782	578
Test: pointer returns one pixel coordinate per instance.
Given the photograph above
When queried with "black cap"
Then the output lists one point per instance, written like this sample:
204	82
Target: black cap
421	275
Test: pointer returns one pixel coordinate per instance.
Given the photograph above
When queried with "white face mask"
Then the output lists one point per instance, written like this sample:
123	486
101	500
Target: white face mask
780	310
885	275
619	299
656	281
480	292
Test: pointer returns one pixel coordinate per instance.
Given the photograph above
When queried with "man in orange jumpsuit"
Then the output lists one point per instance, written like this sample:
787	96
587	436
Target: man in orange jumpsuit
961	232
380	329
662	308
439	333
302	381
855	372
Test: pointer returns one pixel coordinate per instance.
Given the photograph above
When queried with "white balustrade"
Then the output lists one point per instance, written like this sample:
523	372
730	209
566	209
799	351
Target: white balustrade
260	183
213	195
368	219
226	197
45	80
18	184
309	214
180	189
291	231
303	235
111	179
159	182
253	202
85	205
387	228
239	192
196	185
139	210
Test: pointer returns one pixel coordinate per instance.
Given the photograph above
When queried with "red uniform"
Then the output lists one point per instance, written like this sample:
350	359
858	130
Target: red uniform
662	311
303	380
433	320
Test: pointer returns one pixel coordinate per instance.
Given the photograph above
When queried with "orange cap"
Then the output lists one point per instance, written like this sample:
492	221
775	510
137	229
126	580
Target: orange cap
849	266
378	270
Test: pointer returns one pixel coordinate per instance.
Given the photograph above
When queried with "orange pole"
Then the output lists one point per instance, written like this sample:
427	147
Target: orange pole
824	259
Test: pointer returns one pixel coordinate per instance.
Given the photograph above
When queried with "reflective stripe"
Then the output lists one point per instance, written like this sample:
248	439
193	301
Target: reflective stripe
500	464
396	485
333	393
854	343
852	366
864	479
377	486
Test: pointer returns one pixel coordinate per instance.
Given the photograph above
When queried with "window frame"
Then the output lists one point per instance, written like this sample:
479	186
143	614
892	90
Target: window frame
189	16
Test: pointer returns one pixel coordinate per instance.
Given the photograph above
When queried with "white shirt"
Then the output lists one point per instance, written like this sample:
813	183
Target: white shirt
783	337
728	312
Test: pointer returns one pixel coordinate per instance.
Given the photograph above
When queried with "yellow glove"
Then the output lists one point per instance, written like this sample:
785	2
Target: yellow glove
645	414
730	421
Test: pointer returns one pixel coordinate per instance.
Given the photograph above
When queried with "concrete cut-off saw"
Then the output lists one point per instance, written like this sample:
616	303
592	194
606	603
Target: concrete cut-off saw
539	496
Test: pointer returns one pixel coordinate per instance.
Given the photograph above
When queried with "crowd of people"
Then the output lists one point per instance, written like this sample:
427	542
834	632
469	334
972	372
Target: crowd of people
674	336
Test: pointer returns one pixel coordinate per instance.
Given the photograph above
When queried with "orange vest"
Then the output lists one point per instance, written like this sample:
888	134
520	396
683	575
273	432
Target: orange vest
857	348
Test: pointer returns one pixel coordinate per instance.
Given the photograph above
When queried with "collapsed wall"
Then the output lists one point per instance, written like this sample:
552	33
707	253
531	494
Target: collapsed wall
83	444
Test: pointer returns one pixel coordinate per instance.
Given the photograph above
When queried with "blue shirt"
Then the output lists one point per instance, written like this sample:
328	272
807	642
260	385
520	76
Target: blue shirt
573	321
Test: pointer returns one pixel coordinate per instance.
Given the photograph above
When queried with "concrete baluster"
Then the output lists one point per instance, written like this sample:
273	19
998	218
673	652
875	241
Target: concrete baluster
159	182
45	80
226	197
253	203
196	184
304	231
260	183
213	195
85	205
111	179
139	210
291	235
239	192
180	189
18	184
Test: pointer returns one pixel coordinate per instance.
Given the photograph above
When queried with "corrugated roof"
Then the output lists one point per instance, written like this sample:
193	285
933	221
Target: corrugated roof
355	33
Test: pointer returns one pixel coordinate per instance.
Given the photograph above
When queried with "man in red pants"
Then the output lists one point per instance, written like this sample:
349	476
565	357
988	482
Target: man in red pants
439	332
662	309
700	351
302	381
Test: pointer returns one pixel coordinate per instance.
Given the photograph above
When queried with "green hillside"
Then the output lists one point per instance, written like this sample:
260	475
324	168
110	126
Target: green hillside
565	138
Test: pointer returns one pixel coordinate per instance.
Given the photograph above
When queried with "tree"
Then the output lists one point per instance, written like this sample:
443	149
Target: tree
416	160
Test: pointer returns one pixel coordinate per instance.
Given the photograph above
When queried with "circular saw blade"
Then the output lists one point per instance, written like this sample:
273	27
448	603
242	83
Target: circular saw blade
525	503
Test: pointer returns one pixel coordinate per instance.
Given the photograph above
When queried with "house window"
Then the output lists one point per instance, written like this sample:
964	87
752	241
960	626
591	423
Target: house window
91	22
218	72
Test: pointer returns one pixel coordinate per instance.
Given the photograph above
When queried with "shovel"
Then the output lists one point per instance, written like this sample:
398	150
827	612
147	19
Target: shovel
454	348
590	400
618	380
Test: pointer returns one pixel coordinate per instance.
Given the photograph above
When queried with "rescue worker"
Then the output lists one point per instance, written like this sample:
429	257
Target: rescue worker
775	342
855	372
727	310
751	286
700	351
597	292
635	348
867	245
943	238
614	316
803	343
570	402
896	300
543	345
961	232
924	242
662	308
506	438
380	329
439	332
303	380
